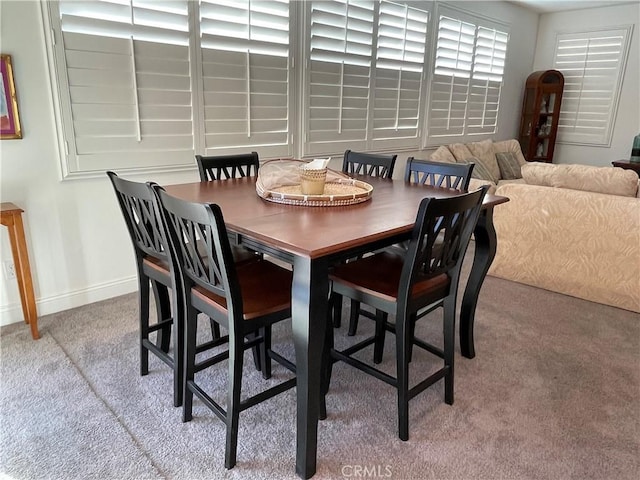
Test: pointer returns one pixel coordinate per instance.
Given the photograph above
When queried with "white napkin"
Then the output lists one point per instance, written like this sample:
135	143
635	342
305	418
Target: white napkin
317	164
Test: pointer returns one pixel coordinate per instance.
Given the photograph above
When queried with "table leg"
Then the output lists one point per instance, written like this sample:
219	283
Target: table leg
485	251
23	274
309	313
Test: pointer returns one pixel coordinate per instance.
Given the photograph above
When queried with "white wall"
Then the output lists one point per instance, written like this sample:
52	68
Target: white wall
77	241
79	248
627	121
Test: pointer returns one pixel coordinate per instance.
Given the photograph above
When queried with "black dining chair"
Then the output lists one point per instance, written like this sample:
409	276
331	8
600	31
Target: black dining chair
373	165
221	167
244	299
428	173
404	284
148	236
438	174
224	167
136	203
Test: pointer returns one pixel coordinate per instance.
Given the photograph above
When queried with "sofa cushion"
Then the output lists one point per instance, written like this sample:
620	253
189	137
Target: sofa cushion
509	165
443	154
609	180
485	153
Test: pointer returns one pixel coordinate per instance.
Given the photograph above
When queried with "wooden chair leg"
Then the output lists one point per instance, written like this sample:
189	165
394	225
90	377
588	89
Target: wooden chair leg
236	352
163	312
449	318
327	368
265	347
335	306
143	305
353	318
402	366
255	350
191	327
378	347
215	329
178	350
412	333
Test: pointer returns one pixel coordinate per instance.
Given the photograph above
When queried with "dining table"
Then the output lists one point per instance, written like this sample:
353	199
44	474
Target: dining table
312	239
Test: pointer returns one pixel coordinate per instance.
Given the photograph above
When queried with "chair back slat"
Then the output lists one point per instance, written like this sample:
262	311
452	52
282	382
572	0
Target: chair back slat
373	165
451	222
138	207
222	167
438	174
198	236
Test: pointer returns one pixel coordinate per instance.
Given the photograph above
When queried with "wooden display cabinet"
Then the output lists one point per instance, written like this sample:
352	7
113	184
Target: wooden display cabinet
540	114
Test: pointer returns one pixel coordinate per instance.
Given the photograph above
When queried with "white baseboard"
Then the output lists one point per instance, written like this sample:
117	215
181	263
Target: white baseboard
12	313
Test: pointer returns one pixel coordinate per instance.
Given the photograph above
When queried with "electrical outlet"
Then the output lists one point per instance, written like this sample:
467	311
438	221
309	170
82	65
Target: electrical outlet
9	269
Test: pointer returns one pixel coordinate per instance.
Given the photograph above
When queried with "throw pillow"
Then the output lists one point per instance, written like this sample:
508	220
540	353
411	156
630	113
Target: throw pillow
480	170
510	146
485	153
509	165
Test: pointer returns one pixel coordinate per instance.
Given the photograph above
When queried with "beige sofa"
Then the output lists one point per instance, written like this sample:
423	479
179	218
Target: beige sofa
492	165
573	229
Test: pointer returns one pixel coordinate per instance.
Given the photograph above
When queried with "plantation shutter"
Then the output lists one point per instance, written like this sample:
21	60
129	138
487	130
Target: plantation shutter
592	65
129	87
468	74
245	68
402	32
338	74
451	80
486	80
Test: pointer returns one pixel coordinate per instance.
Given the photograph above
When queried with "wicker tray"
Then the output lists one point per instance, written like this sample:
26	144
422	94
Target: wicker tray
347	192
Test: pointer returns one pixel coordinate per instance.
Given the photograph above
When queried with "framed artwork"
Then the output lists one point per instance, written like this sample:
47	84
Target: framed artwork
9	119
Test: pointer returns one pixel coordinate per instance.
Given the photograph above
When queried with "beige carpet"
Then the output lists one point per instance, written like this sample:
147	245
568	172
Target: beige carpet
553	393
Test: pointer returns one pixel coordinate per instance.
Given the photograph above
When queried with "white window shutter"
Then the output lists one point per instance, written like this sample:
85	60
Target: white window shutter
338	75
592	64
400	56
128	73
486	81
245	67
467	81
451	80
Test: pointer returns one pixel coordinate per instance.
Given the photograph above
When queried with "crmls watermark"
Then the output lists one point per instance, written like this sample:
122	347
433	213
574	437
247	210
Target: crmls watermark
366	471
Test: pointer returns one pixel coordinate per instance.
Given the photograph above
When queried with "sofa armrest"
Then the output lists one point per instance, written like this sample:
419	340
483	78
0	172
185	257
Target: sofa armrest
476	183
579	243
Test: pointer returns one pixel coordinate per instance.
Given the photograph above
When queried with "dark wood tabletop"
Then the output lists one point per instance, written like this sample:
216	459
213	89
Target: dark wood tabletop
316	231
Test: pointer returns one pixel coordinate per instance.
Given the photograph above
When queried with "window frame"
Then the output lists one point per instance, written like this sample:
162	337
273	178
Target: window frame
369	142
479	21
607	137
69	159
299	50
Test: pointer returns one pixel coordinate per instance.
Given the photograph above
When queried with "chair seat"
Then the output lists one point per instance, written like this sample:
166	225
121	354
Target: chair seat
265	287
379	276
157	264
241	256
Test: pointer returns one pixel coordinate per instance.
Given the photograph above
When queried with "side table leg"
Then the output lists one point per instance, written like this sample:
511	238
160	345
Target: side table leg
23	274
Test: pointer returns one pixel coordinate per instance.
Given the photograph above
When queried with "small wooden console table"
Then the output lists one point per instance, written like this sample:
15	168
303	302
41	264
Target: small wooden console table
11	217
